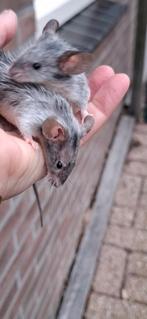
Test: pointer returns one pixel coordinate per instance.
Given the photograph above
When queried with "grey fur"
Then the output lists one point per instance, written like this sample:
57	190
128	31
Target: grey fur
47	50
27	106
29	97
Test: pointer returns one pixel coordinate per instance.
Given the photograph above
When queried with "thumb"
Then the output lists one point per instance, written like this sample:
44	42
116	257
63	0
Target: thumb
8	24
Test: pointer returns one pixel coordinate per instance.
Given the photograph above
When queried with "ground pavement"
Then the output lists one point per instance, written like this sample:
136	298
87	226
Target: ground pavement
119	289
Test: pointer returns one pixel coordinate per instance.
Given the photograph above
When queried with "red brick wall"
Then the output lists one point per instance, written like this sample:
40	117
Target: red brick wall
34	262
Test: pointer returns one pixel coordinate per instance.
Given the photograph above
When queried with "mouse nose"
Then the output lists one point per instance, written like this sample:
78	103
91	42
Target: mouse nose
14	71
18	73
66	172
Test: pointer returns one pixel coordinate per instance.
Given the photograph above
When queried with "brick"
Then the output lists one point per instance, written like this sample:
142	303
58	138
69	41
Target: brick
125	237
140	240
140	137
141	218
141	128
120	236
136	288
137	264
21	263
24	226
4	212
138	154
8	300
128	191
21	295
136	168
25	256
6	255
19	207
103	307
110	271
145	186
122	216
143	200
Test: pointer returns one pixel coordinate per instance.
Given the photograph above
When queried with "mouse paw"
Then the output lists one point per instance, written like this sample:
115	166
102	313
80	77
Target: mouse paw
30	141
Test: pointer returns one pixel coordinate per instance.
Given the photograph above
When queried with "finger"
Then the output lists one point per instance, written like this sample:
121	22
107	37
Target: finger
111	93
20	165
8	24
98	77
99	118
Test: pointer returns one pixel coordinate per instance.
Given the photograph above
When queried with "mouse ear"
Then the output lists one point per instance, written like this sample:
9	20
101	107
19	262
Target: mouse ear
53	130
87	124
74	62
51	26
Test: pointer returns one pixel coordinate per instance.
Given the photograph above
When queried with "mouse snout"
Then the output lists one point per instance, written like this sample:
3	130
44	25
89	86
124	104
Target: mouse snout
15	72
60	178
63	179
18	72
64	174
54	180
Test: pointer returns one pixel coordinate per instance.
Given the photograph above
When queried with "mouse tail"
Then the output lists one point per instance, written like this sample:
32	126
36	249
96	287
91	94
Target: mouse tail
38	203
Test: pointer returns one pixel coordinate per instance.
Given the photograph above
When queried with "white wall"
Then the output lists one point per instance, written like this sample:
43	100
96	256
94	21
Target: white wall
62	10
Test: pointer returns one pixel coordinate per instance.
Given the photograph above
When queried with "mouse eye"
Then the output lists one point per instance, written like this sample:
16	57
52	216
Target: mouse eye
36	66
59	165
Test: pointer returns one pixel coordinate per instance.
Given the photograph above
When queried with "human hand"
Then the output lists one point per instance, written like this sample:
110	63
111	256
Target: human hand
20	164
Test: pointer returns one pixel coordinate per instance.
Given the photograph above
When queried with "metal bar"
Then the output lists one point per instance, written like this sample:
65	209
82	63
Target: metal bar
139	59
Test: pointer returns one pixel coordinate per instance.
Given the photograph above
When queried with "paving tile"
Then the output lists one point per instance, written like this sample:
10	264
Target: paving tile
109	275
141	128
119	236
128	191
141	218
144	190
140	137
125	237
123	258
136	168
137	264
122	216
103	307
138	154
143	200
140	240
136	288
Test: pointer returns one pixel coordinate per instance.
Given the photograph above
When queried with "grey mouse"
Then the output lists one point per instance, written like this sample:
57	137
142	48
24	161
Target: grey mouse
51	61
46	116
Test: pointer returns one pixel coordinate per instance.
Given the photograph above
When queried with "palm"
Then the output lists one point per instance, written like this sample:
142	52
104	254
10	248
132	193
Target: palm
20	164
